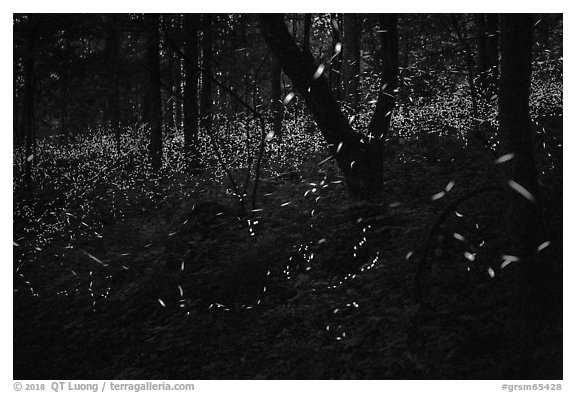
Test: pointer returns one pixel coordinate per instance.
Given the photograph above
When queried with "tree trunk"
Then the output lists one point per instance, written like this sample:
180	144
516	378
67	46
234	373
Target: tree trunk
15	106
481	60
525	217
351	59
28	112
178	108
179	76
191	89
206	93
306	34
470	69
244	72
114	98
380	122
170	81
154	106
359	157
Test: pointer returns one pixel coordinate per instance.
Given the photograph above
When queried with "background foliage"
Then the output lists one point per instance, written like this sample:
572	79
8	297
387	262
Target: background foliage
305	283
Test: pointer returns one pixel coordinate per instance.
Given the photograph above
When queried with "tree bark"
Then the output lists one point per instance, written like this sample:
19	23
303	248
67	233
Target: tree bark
358	156
514	115
525	216
191	89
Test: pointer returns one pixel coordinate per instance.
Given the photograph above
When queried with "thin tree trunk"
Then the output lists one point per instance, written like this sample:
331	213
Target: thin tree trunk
244	73
178	108
28	112
15	107
470	69
114	99
481	60
171	103
379	125
191	89
179	76
206	93
154	107
380	122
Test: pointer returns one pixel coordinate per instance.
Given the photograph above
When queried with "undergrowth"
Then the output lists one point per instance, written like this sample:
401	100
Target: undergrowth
121	272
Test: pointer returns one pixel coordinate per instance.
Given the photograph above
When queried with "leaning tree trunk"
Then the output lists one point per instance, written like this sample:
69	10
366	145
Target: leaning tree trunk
358	156
525	217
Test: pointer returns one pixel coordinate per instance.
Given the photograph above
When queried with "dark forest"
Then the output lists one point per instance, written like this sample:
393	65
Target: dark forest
287	196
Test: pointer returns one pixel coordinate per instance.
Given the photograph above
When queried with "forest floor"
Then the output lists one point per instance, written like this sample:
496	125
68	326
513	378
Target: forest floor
314	286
